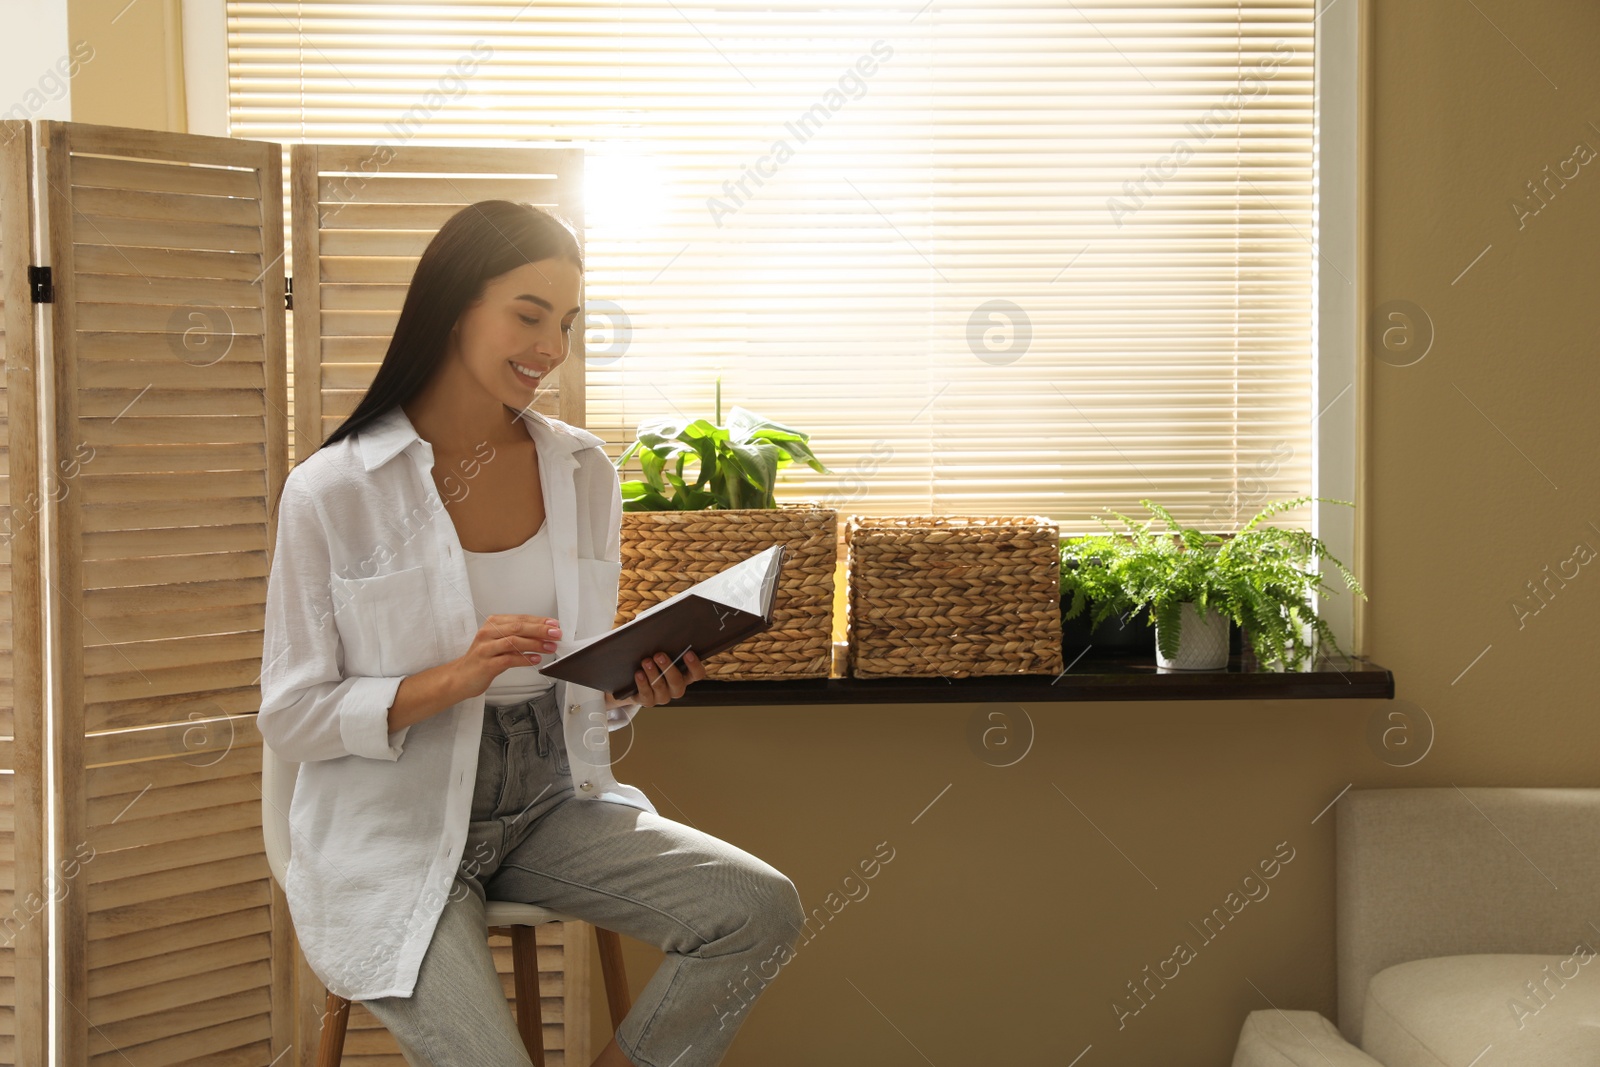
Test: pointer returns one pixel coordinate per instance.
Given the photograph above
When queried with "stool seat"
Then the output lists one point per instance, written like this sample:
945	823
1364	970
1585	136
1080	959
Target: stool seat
513	913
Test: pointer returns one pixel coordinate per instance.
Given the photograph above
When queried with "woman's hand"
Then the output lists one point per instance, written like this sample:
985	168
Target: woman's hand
659	680
503	642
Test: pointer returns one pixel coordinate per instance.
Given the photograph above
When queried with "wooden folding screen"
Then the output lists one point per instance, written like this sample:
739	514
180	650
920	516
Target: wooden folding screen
26	886
360	217
170	402
145	499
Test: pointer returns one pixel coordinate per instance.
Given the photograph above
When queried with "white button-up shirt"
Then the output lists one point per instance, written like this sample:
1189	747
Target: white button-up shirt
369	585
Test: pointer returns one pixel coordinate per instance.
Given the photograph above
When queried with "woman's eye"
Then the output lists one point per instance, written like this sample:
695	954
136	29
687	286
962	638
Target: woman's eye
534	322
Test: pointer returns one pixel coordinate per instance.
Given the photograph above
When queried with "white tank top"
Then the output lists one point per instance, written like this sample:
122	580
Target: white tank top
515	581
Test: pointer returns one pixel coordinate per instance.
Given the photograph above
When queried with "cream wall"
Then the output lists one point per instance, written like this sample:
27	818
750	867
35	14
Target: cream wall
1011	917
37	61
136	78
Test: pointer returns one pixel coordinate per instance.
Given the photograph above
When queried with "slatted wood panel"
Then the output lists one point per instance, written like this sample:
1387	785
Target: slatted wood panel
26	878
169	393
360	217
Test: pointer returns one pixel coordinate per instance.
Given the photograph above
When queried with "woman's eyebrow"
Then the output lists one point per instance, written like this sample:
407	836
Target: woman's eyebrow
541	302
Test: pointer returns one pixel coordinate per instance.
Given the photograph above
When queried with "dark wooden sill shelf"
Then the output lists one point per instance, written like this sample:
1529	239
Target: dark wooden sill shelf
1106	678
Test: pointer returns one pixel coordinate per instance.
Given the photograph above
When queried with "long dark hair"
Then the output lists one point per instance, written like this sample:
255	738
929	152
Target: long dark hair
477	243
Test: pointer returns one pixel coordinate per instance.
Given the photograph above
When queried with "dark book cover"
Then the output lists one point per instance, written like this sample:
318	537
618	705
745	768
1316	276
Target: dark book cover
710	616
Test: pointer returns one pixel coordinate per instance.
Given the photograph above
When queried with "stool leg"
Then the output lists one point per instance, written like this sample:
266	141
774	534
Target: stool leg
616	975
525	972
335	1017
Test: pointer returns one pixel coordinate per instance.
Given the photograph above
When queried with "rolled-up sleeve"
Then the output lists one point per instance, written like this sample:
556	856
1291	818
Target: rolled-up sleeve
309	709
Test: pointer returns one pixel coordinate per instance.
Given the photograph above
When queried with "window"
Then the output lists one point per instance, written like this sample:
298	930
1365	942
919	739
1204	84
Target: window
1003	257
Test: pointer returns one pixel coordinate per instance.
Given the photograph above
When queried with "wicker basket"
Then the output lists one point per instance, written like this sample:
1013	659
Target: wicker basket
931	596
665	552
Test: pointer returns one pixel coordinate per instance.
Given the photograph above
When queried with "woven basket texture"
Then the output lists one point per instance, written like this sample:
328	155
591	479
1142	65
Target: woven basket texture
953	596
665	552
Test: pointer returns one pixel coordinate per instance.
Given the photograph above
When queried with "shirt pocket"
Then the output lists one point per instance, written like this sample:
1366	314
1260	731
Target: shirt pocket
386	623
597	582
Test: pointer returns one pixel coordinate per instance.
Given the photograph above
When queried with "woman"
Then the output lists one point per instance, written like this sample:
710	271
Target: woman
440	543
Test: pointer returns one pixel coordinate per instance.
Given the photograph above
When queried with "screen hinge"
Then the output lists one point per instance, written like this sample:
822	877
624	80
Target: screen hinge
39	287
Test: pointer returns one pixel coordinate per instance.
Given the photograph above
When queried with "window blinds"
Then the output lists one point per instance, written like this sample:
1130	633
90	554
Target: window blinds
1010	257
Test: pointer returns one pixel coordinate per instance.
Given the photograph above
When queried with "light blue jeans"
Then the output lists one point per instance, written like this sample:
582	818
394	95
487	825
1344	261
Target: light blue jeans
725	919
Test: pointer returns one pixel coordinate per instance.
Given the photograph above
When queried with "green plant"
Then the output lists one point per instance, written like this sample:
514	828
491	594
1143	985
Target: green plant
739	464
1260	577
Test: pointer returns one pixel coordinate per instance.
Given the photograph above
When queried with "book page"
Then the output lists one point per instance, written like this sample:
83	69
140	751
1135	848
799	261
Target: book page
746	585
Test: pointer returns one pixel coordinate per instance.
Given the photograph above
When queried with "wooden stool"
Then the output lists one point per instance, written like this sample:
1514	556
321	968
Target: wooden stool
516	921
503	917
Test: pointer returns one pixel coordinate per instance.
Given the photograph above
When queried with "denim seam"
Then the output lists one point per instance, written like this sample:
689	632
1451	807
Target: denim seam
631	1053
614	896
553	738
545	728
506	784
661	1003
422	1038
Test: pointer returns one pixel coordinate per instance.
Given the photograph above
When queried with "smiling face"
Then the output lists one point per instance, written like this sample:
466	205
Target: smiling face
520	330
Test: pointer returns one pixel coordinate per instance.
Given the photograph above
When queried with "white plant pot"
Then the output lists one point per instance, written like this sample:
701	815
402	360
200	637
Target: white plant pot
1202	641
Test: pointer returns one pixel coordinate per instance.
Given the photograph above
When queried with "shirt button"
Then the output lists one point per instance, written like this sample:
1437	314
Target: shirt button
586	786
572	709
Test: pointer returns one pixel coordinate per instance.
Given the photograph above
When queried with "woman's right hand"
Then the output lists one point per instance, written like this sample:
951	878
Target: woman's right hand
503	642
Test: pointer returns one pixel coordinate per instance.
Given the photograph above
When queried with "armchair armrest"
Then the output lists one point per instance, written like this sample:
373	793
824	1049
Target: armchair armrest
1272	1038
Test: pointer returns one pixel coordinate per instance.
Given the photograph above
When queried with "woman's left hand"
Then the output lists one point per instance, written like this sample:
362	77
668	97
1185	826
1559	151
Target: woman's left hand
659	680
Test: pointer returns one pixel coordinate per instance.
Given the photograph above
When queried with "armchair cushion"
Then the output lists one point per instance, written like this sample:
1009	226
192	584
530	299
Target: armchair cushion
1272	1038
1533	1010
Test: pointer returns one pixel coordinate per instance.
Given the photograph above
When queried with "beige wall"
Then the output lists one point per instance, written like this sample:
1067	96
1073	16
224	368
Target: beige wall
1011	917
136	78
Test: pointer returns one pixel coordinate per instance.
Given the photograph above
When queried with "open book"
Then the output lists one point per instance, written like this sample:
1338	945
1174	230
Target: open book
710	616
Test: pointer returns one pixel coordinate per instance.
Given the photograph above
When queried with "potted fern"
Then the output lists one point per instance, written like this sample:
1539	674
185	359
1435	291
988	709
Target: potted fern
682	524
1195	583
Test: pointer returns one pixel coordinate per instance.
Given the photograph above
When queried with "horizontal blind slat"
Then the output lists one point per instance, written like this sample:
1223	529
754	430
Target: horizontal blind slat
985	254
